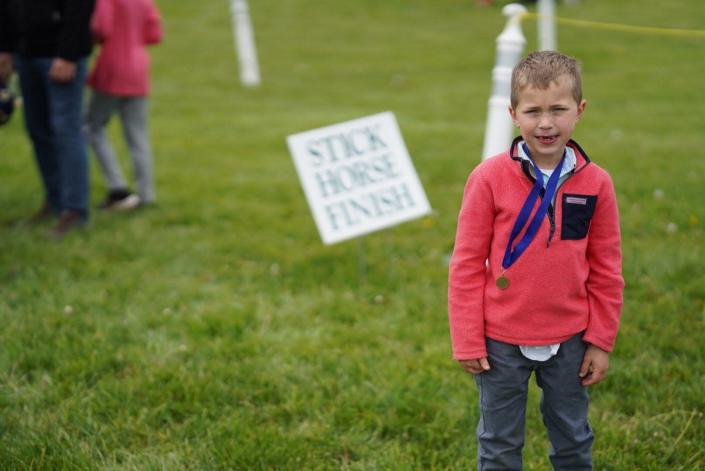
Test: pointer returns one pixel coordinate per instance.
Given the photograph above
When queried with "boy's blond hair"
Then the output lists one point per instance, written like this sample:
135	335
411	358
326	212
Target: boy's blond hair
540	69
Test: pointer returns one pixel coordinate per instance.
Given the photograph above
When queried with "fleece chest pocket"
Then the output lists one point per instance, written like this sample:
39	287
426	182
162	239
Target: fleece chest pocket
577	213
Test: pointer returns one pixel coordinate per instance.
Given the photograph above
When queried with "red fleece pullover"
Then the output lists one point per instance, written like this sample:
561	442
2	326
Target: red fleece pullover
568	280
124	28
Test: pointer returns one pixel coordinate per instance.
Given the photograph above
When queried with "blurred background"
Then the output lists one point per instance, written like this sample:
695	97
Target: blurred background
215	331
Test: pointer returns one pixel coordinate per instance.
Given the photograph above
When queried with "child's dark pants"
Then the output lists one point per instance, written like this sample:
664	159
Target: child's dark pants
564	405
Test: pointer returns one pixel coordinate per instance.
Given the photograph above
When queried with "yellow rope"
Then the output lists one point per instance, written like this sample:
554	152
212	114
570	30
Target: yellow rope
693	33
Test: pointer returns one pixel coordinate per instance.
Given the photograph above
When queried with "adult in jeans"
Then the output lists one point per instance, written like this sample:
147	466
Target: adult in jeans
48	43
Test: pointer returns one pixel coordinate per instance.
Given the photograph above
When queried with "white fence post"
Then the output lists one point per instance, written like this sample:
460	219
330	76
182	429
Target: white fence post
245	43
547	25
510	45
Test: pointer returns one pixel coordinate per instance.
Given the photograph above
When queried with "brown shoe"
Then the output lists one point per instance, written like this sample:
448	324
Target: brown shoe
45	213
67	221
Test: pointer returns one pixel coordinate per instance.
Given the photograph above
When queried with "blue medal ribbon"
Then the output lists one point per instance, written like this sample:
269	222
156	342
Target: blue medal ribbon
512	255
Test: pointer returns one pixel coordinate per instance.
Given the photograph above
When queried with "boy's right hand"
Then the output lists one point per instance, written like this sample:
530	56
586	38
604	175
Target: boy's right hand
475	367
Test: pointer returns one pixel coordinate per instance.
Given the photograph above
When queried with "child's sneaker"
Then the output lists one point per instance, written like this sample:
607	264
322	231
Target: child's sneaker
120	200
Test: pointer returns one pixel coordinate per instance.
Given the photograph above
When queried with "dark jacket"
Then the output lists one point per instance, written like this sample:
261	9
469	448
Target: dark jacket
46	28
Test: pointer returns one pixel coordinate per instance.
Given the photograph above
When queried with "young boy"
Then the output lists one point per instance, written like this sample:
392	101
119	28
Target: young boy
535	278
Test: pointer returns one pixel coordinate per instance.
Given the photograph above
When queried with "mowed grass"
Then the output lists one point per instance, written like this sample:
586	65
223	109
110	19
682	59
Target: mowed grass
215	331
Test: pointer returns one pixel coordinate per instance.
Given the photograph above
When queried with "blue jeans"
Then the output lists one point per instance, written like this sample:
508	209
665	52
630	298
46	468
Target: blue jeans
564	405
52	113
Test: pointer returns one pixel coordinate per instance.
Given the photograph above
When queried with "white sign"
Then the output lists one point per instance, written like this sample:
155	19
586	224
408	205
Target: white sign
357	177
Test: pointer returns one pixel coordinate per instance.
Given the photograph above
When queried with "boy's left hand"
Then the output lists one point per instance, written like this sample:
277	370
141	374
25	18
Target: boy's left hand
596	362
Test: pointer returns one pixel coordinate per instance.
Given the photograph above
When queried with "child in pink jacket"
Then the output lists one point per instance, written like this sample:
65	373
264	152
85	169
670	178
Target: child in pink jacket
535	283
120	82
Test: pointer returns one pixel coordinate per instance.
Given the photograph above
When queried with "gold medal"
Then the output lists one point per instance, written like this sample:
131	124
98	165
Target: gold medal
503	282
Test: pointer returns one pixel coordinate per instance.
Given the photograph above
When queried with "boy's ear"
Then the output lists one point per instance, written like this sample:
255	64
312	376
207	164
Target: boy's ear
513	114
581	108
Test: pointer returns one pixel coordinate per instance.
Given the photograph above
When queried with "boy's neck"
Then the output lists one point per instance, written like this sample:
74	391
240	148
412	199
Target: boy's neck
547	163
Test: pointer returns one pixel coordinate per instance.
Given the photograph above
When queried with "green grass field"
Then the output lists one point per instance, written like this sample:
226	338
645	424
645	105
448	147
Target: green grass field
215	331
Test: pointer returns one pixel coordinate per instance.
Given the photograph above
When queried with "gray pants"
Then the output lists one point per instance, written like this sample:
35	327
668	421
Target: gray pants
564	405
133	116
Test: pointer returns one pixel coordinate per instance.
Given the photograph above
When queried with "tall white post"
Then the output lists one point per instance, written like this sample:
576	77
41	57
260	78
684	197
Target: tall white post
245	43
547	25
510	45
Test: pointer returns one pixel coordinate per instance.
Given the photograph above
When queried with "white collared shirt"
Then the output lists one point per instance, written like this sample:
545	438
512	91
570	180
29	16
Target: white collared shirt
568	164
544	352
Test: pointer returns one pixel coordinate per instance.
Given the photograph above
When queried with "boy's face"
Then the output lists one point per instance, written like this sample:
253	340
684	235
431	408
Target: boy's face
547	118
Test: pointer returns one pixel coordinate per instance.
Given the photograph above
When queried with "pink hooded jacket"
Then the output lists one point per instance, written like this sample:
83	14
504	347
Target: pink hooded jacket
124	28
570	277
